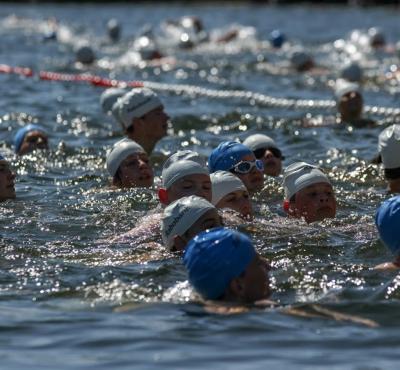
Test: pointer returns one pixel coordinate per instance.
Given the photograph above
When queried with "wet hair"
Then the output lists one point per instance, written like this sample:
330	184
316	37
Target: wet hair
392	173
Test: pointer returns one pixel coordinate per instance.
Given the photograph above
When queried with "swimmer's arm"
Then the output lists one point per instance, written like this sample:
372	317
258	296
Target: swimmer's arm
387	266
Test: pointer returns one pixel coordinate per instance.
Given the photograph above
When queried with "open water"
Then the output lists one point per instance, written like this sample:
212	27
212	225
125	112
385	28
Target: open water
71	299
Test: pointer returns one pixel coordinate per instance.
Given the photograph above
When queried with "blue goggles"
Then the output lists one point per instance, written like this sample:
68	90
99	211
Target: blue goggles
244	167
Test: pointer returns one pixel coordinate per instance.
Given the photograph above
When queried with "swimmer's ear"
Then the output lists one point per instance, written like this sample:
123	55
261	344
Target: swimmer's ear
163	196
179	243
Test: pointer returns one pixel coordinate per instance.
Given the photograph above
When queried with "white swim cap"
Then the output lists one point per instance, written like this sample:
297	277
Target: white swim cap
223	183
343	87
180	215
84	54
119	152
109	97
180	164
389	146
352	72
136	104
259	141
299	175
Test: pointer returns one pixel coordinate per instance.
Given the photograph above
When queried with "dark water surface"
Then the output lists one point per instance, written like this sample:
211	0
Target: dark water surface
71	299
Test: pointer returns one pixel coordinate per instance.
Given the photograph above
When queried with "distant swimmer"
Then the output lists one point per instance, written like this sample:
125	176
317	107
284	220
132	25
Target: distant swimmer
387	220
129	165
223	265
185	218
308	193
389	156
238	159
113	30
84	54
29	138
265	149
7	180
228	191
350	104
184	173
141	114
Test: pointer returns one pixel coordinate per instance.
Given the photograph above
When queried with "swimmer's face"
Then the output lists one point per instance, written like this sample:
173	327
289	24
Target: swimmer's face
272	161
255	280
135	171
351	106
209	220
197	184
254	180
315	203
7	185
156	123
239	201
33	140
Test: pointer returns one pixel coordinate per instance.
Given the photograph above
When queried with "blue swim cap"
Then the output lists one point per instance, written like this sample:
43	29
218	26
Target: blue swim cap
21	133
387	220
226	155
277	38
214	257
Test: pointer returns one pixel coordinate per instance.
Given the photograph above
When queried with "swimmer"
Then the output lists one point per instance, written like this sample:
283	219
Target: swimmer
185	218
301	61
352	72
29	138
223	265
7	178
387	220
350	103
109	97
308	193
239	159
228	191
141	115
389	156
129	166
113	30
184	173
84	54
265	149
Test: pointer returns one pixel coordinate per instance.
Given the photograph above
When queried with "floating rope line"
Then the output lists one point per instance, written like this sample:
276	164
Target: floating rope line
253	98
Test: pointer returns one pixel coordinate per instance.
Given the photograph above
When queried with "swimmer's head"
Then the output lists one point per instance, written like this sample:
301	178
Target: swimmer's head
352	72
223	264
185	218
265	149
7	180
147	48
376	37
30	138
277	38
113	29
84	54
129	166
308	193
301	61
228	191
387	220
240	160
184	173
349	100
109	97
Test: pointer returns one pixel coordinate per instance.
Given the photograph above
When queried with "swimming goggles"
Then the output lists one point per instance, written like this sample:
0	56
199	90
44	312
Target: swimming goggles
259	153
244	167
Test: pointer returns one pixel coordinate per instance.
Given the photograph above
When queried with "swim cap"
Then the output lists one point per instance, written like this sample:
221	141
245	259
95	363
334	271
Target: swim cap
387	220
180	164
109	97
299	58
84	54
119	152
180	215
113	29
343	87
376	37
22	132
277	38
352	72
223	183
299	175
259	141
214	257
389	146
136	104
226	155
